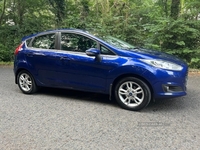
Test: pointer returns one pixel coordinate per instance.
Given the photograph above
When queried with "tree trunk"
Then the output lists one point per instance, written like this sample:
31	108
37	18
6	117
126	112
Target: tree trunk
165	8
3	11
175	9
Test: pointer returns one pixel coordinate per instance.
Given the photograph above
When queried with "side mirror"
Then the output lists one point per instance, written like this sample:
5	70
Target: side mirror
92	52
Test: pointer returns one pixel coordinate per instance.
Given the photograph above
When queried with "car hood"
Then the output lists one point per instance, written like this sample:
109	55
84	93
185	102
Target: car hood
141	53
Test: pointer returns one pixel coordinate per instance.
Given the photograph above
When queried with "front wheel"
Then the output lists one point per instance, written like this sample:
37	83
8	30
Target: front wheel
26	82
132	93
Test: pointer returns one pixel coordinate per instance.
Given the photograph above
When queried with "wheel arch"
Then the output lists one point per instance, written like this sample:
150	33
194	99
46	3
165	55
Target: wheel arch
18	71
130	75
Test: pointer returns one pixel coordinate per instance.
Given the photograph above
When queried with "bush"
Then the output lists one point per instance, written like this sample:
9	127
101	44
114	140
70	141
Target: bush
6	55
177	37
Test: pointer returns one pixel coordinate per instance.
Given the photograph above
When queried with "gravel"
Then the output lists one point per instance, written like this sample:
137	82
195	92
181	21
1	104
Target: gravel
57	119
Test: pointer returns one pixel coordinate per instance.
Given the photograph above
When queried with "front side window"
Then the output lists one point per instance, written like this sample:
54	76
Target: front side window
106	51
75	42
44	41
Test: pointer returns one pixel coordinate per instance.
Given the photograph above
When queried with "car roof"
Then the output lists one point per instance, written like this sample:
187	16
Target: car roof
56	30
85	32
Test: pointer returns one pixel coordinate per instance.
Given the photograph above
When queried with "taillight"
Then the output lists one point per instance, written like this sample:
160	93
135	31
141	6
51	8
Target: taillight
19	48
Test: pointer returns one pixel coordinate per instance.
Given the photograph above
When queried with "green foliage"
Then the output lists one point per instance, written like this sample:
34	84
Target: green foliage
58	9
192	57
175	34
169	26
178	37
5	53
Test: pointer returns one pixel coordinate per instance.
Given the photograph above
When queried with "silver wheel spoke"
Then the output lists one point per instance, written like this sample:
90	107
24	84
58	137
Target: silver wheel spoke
125	100
135	100
129	101
26	77
129	85
138	90
122	91
138	99
29	83
21	78
27	87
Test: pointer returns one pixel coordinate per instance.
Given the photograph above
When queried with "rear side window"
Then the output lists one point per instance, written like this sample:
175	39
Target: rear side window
46	41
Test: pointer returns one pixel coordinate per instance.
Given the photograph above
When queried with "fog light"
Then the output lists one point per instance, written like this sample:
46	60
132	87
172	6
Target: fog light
166	88
172	88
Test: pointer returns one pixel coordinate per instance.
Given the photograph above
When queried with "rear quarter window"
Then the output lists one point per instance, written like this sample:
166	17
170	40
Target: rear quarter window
28	42
46	41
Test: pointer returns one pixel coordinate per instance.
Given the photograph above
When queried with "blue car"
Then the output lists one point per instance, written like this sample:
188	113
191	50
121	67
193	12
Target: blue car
79	60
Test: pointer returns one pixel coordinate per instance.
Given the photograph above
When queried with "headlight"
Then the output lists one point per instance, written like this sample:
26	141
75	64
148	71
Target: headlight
163	64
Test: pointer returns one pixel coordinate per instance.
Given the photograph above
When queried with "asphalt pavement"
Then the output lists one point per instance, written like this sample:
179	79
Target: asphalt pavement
57	119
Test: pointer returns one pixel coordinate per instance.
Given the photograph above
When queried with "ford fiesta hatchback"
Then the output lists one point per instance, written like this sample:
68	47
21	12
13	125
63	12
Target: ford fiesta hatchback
75	59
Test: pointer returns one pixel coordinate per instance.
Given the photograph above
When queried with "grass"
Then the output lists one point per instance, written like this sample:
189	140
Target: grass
6	63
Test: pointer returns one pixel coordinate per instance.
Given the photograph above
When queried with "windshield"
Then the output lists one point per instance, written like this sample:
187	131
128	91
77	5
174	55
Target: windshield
117	42
114	41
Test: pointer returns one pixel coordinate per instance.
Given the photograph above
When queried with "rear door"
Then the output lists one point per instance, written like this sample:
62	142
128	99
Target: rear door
41	55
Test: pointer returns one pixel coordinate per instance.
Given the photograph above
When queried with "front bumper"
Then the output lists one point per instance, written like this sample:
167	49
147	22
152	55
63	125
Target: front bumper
169	90
168	84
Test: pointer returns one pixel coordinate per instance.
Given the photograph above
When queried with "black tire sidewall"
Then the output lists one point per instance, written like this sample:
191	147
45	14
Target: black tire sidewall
33	88
144	86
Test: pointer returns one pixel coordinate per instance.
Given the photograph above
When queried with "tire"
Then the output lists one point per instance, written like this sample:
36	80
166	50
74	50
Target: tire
26	82
132	93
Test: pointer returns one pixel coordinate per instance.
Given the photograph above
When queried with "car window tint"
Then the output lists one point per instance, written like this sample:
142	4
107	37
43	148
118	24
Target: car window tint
75	42
44	41
106	51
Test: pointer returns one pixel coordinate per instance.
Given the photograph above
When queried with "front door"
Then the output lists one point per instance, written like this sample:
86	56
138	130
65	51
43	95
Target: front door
81	71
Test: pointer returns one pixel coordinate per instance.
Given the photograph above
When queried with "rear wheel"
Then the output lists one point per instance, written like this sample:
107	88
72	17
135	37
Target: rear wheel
26	82
132	93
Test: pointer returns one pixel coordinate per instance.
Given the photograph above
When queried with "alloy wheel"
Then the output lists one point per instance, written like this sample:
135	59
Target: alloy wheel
131	94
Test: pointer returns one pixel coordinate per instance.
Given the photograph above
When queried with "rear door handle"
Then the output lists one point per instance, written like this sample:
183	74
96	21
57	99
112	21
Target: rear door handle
38	54
64	58
29	54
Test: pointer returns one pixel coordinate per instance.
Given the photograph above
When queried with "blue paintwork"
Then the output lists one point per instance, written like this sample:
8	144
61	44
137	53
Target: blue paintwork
56	68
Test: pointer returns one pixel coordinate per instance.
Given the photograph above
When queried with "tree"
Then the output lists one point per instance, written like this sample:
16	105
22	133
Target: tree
58	9
172	26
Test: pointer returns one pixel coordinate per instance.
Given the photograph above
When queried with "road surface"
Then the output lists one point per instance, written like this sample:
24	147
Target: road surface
55	119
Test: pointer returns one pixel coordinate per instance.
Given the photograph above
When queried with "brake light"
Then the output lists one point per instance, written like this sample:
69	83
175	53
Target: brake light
19	48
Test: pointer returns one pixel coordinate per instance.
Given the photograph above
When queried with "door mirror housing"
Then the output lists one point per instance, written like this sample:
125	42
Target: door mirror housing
94	52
